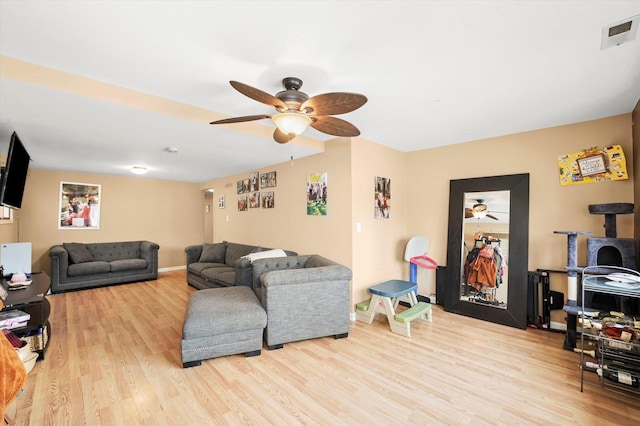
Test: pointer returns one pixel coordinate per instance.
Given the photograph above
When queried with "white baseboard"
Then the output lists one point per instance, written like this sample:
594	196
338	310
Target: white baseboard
172	268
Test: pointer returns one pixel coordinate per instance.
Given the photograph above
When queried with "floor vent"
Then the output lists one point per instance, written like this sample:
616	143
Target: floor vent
620	32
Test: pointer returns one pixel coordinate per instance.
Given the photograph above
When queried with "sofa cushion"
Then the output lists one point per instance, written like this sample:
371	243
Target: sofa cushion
88	268
223	276
265	254
316	261
128	265
235	251
115	251
219	311
198	267
78	252
213	253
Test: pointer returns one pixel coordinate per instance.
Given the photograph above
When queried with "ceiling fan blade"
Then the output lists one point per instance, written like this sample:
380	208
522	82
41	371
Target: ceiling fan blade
240	119
468	213
492	217
258	95
334	126
282	137
333	103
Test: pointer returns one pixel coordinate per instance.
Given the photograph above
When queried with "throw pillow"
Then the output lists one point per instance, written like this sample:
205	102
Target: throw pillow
213	253
265	254
78	252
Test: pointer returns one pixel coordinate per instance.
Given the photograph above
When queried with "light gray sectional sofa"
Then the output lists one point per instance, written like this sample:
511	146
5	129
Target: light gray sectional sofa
304	297
76	266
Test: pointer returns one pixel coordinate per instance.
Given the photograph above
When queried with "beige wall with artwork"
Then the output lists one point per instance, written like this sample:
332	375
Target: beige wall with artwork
171	213
420	200
132	208
552	207
287	224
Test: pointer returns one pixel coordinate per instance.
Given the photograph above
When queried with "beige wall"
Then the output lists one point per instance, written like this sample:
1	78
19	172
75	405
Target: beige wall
287	225
420	199
552	207
171	213
132	208
378	249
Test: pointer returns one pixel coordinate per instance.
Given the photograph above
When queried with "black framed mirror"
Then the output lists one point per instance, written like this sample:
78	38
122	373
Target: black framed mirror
470	212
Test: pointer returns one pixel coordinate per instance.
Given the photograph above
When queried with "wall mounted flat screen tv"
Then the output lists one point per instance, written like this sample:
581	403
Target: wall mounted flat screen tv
14	175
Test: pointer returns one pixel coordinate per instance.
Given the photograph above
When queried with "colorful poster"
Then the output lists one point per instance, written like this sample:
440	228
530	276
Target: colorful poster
317	194
593	165
79	206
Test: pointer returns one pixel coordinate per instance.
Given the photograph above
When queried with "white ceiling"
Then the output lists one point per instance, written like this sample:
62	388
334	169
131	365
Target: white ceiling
435	73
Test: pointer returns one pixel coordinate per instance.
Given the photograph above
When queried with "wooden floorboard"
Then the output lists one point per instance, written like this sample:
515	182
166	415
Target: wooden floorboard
114	359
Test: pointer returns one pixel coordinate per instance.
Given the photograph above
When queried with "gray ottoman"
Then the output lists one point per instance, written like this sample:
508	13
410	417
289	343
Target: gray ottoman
222	321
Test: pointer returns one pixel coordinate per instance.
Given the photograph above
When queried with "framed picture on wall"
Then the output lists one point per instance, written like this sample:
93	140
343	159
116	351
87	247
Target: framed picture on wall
382	198
242	203
221	201
253	182
264	179
254	200
317	194
267	200
79	206
6	216
271	179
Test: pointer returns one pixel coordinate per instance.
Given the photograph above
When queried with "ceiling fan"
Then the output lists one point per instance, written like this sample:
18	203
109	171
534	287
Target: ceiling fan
479	211
295	110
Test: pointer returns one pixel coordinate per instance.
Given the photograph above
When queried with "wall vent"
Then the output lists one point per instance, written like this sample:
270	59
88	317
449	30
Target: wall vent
620	32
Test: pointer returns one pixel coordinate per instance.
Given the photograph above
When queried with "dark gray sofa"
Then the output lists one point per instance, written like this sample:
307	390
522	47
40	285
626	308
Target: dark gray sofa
212	265
76	266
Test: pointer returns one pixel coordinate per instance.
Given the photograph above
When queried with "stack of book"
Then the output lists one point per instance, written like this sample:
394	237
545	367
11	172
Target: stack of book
14	319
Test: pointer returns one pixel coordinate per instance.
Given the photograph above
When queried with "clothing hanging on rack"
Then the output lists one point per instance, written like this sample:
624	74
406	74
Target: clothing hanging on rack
483	265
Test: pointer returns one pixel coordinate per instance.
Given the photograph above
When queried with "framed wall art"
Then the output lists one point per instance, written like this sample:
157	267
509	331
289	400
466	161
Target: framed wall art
6	215
254	200
79	206
271	179
317	194
221	201
253	182
242	203
268	200
593	165
382	198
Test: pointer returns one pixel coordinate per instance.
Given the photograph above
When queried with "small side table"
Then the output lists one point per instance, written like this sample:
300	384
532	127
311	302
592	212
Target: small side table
385	300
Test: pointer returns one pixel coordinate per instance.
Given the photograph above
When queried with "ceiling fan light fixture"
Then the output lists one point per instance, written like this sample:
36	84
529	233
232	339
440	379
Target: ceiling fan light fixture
291	122
479	214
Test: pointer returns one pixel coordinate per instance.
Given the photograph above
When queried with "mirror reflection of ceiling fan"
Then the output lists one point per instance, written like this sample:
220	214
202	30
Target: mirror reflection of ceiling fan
480	211
295	110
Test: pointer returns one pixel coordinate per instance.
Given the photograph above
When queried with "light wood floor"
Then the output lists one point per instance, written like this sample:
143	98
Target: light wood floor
114	359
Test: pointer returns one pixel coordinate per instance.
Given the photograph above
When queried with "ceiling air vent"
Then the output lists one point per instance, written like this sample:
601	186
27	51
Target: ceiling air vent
620	32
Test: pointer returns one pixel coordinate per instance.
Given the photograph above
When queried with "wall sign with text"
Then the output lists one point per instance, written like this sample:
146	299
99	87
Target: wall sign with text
593	165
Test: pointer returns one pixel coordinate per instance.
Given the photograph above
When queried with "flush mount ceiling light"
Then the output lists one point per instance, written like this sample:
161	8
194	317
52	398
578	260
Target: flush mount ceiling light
296	110
139	170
